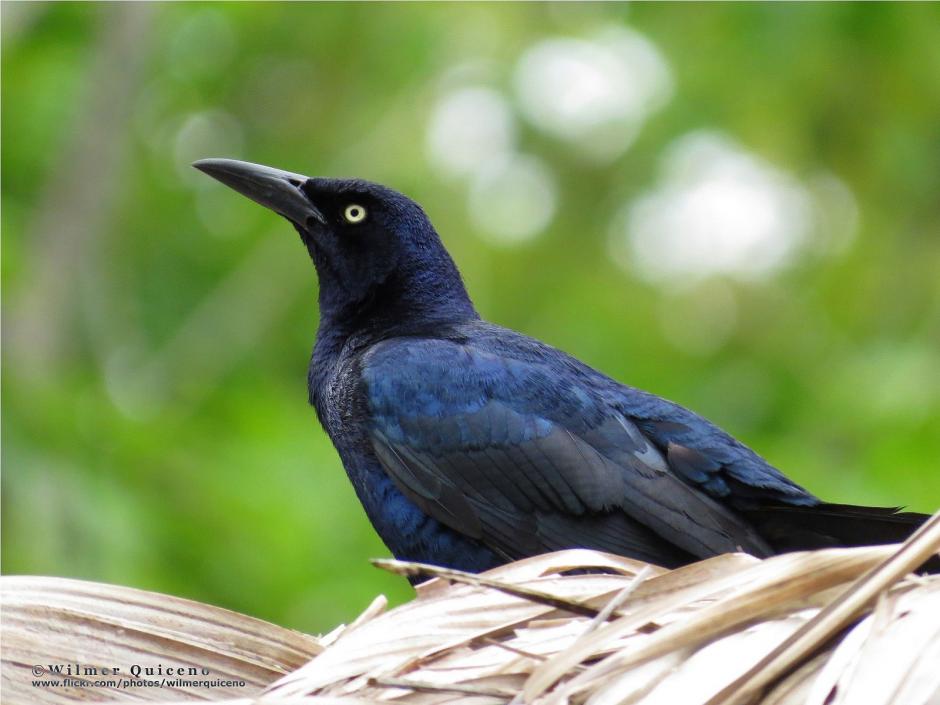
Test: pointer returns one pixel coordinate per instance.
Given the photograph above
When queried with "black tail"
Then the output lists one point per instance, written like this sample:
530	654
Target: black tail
789	528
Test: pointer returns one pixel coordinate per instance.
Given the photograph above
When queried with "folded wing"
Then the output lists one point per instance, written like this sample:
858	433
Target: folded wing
526	458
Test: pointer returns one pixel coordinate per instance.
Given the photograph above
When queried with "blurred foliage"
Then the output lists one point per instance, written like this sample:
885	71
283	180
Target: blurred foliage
157	326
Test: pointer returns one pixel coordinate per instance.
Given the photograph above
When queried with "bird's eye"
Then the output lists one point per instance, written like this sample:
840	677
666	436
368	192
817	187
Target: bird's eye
354	213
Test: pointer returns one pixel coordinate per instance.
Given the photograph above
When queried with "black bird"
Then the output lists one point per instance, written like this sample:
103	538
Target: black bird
470	445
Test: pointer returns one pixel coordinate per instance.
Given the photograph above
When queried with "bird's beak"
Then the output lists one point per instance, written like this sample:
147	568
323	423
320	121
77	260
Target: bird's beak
272	188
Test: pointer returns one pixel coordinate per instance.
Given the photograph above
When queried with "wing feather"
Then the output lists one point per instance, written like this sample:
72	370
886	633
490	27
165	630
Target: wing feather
517	457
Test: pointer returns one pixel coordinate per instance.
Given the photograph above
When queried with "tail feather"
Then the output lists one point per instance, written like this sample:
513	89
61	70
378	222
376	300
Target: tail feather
791	528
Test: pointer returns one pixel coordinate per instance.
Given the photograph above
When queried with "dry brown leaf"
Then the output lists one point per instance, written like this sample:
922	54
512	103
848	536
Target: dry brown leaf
767	588
56	621
664	637
394	642
868	664
795	687
923	544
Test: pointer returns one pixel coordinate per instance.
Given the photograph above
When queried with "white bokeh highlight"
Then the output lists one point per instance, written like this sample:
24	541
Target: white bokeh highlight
718	210
469	128
595	93
512	200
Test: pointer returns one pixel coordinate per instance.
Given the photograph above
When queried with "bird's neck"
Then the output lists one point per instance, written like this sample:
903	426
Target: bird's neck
412	296
410	301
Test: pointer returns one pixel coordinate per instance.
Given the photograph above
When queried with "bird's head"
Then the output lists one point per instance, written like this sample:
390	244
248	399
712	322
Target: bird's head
375	250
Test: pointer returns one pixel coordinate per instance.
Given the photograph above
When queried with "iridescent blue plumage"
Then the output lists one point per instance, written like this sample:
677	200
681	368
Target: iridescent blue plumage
469	444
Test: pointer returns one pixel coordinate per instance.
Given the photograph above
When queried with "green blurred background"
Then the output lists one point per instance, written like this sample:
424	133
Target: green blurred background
734	206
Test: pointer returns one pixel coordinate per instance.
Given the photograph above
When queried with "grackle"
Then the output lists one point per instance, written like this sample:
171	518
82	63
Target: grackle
470	445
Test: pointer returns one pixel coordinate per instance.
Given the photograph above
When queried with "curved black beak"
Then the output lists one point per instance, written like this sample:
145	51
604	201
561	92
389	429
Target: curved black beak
272	188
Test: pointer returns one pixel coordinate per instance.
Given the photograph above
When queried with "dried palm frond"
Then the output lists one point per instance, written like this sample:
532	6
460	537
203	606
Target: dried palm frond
836	626
78	625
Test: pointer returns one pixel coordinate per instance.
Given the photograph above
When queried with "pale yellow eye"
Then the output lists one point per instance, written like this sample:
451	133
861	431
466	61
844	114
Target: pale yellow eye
354	213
